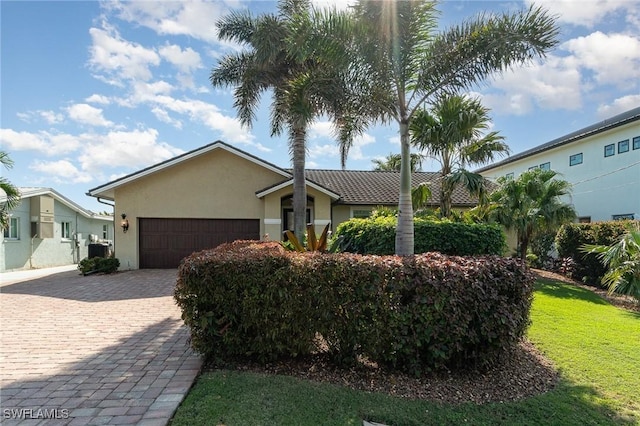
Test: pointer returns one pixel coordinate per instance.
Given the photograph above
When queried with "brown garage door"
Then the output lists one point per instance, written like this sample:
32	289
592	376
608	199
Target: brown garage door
164	242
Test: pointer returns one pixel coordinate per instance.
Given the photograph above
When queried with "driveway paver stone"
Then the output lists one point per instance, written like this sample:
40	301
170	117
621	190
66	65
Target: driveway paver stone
94	350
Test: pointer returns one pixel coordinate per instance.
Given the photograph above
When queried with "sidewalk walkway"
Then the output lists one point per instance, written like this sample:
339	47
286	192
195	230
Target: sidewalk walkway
101	349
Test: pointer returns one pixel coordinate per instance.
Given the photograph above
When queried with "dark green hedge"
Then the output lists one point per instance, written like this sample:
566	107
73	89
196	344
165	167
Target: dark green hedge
413	313
377	236
587	267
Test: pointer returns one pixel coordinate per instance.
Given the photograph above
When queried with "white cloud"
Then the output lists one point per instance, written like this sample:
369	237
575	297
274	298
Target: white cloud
359	142
554	84
196	18
614	58
585	12
98	99
120	59
185	60
619	106
52	117
62	171
45	142
163	115
321	129
86	114
131	149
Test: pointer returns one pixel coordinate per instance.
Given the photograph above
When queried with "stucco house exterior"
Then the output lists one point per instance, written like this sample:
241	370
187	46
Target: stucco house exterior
47	229
601	161
218	193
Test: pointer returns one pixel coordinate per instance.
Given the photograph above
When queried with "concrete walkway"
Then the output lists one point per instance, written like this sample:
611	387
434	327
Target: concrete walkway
95	350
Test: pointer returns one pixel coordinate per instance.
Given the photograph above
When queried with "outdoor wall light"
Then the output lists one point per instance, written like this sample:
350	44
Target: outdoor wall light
125	223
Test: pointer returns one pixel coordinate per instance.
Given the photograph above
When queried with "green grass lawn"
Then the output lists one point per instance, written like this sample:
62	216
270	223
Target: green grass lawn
595	346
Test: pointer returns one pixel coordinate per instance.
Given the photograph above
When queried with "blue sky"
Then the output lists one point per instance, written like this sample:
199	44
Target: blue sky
92	91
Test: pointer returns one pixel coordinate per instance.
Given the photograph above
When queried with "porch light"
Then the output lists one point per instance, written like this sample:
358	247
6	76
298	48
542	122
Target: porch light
125	223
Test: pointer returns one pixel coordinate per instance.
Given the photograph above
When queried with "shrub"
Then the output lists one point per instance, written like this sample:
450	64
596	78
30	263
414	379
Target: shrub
106	265
377	236
571	237
414	313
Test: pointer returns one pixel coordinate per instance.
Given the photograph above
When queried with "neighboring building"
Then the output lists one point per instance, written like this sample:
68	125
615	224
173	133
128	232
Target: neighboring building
601	161
47	229
218	193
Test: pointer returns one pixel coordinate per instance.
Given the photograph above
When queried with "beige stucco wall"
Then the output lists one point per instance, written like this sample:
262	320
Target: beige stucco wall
321	212
214	185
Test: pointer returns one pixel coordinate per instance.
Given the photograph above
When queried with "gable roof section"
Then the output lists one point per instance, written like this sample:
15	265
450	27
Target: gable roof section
106	190
368	187
273	188
608	124
28	192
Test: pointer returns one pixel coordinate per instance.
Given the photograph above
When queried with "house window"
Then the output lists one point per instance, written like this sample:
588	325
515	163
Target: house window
361	214
509	175
584	219
628	216
533	168
545	166
66	230
609	150
105	232
636	142
575	159
623	146
12	232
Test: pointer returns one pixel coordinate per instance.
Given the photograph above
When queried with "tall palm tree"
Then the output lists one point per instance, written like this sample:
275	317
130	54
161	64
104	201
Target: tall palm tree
304	86
11	196
391	163
530	204
452	133
407	63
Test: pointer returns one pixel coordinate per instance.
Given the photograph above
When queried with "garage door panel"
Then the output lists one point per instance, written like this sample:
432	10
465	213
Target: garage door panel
163	243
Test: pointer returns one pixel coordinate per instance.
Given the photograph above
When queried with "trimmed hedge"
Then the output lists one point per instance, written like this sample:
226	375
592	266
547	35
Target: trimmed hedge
377	236
414	313
587	267
107	265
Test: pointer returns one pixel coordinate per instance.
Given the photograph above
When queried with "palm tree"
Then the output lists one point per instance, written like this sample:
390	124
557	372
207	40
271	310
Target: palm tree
11	196
452	133
531	204
391	163
303	86
406	64
623	261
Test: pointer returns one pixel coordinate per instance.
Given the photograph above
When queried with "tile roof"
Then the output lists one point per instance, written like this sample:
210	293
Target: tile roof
380	188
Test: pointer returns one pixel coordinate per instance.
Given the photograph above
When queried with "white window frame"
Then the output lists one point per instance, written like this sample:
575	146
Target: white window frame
105	232
65	230
545	166
12	232
573	159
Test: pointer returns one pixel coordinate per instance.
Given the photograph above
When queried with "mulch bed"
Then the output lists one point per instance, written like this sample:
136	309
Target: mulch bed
522	373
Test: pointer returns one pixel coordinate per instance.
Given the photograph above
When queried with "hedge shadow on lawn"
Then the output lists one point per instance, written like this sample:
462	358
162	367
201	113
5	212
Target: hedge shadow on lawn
549	288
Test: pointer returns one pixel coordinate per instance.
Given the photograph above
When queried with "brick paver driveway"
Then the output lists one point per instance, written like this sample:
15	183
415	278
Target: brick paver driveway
101	349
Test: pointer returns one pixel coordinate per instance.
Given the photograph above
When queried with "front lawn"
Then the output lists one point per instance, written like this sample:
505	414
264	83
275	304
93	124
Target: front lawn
595	346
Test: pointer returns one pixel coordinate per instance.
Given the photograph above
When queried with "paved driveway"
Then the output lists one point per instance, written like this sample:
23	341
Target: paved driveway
101	349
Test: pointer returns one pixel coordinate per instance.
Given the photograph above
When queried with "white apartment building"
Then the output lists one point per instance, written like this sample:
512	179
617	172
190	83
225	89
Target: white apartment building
602	162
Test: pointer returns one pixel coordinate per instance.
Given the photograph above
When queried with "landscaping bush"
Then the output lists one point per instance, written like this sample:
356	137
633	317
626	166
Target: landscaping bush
413	313
377	236
106	265
571	237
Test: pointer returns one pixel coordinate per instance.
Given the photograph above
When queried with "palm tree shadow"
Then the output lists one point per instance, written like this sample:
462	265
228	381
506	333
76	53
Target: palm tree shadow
127	285
567	291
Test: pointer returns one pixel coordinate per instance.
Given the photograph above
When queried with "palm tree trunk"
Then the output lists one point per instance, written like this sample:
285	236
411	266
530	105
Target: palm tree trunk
445	198
404	230
299	186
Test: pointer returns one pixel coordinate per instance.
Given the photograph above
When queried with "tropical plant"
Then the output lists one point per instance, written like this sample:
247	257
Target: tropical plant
391	163
531	204
420	195
304	86
454	134
11	197
407	63
313	243
623	262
